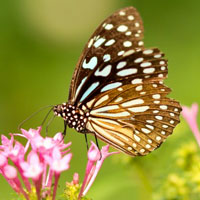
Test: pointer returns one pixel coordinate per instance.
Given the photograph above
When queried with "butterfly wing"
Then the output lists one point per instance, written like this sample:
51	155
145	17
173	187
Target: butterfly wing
131	112
120	83
135	118
115	38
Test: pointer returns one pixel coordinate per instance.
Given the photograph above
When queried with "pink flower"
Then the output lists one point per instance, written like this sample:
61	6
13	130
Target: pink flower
57	162
95	161
33	168
36	167
7	144
190	115
44	145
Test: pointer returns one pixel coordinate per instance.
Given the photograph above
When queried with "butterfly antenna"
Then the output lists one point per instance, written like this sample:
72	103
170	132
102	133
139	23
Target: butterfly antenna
35	113
44	120
48	124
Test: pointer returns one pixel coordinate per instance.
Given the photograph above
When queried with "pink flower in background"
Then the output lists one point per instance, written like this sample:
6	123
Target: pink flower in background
190	115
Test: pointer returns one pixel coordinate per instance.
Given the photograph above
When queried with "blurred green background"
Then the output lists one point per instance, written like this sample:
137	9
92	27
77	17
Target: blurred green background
40	43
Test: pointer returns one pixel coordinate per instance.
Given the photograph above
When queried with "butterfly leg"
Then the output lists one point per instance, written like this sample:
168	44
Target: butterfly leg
86	140
96	140
65	129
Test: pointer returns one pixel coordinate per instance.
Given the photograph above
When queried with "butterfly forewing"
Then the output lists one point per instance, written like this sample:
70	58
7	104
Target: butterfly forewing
116	37
120	84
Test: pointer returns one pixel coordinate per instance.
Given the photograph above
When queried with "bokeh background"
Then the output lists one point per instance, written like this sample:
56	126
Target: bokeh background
40	43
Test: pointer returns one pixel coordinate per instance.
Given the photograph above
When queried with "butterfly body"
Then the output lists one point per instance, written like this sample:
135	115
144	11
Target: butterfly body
74	117
117	91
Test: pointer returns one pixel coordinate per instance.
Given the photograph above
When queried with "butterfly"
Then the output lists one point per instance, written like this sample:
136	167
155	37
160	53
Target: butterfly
117	91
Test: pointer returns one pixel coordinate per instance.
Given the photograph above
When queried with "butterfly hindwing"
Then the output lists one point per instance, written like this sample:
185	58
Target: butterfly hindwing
134	123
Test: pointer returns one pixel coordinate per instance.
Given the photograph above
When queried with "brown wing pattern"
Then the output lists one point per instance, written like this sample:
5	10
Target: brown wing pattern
120	84
115	38
135	118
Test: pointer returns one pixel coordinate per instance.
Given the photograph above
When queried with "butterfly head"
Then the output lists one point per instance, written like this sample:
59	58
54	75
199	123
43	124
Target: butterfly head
74	117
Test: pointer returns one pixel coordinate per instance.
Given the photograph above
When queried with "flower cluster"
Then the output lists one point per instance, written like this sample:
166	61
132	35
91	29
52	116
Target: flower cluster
42	160
46	159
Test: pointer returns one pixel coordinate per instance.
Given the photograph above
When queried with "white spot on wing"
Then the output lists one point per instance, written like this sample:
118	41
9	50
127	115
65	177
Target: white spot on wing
111	86
99	42
118	99
157	56
131	17
108	26
159	117
122	13
149	121
136	81
148	51
121	64
127	72
128	33
140	43
139	109
110	42
91	64
148	146
122	28
106	57
139	88
90	43
120	53
164	126
101	100
156	96
163	107
137	24
80	85
136	138
104	72
142	150
139	60
145	64
129	52
144	130
132	102
158	138
89	90
149	70
149	126
127	44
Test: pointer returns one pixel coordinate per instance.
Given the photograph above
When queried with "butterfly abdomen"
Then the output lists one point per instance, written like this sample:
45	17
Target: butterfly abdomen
74	117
